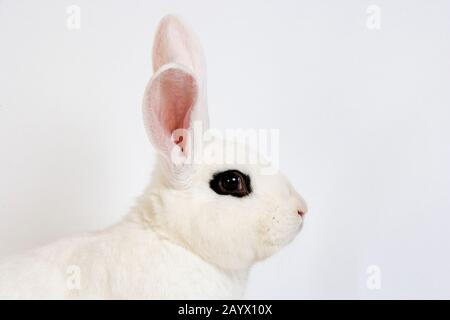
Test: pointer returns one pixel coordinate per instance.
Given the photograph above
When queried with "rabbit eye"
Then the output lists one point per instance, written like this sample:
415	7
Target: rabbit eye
231	182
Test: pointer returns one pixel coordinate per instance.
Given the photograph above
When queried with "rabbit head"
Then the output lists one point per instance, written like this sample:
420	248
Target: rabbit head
230	214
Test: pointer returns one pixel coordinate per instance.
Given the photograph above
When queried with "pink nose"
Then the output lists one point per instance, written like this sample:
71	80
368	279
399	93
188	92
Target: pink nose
301	213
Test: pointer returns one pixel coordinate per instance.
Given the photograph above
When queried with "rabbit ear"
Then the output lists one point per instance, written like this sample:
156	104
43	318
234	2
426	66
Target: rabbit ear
176	95
168	102
176	42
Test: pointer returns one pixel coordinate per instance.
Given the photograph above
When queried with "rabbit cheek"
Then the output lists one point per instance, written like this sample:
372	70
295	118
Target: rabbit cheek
278	227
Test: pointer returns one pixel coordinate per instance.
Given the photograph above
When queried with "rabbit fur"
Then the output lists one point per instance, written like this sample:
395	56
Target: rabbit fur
181	240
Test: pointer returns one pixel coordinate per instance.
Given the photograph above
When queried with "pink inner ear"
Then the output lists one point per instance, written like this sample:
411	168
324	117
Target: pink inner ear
171	99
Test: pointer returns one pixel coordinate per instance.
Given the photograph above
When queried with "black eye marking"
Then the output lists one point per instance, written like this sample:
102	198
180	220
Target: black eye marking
231	182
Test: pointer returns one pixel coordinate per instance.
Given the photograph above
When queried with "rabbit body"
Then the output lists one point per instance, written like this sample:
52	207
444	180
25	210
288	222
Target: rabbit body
126	261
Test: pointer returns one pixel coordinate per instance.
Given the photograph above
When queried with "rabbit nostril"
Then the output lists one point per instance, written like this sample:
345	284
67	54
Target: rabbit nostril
301	213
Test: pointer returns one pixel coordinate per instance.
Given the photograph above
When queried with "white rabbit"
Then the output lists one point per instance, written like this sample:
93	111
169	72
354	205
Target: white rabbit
198	227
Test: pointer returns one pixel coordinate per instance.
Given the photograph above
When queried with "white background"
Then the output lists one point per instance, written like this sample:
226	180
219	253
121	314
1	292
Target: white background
364	118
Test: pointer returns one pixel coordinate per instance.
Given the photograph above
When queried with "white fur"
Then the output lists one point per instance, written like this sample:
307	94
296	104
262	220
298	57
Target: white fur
181	240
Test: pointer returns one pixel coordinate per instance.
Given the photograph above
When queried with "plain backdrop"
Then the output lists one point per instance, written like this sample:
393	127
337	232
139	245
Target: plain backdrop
364	116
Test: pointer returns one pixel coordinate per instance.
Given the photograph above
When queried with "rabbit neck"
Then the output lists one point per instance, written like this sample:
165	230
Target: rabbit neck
181	264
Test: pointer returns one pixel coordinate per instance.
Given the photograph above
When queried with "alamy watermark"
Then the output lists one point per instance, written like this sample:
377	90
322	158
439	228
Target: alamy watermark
373	281
73	20
373	21
232	147
73	280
